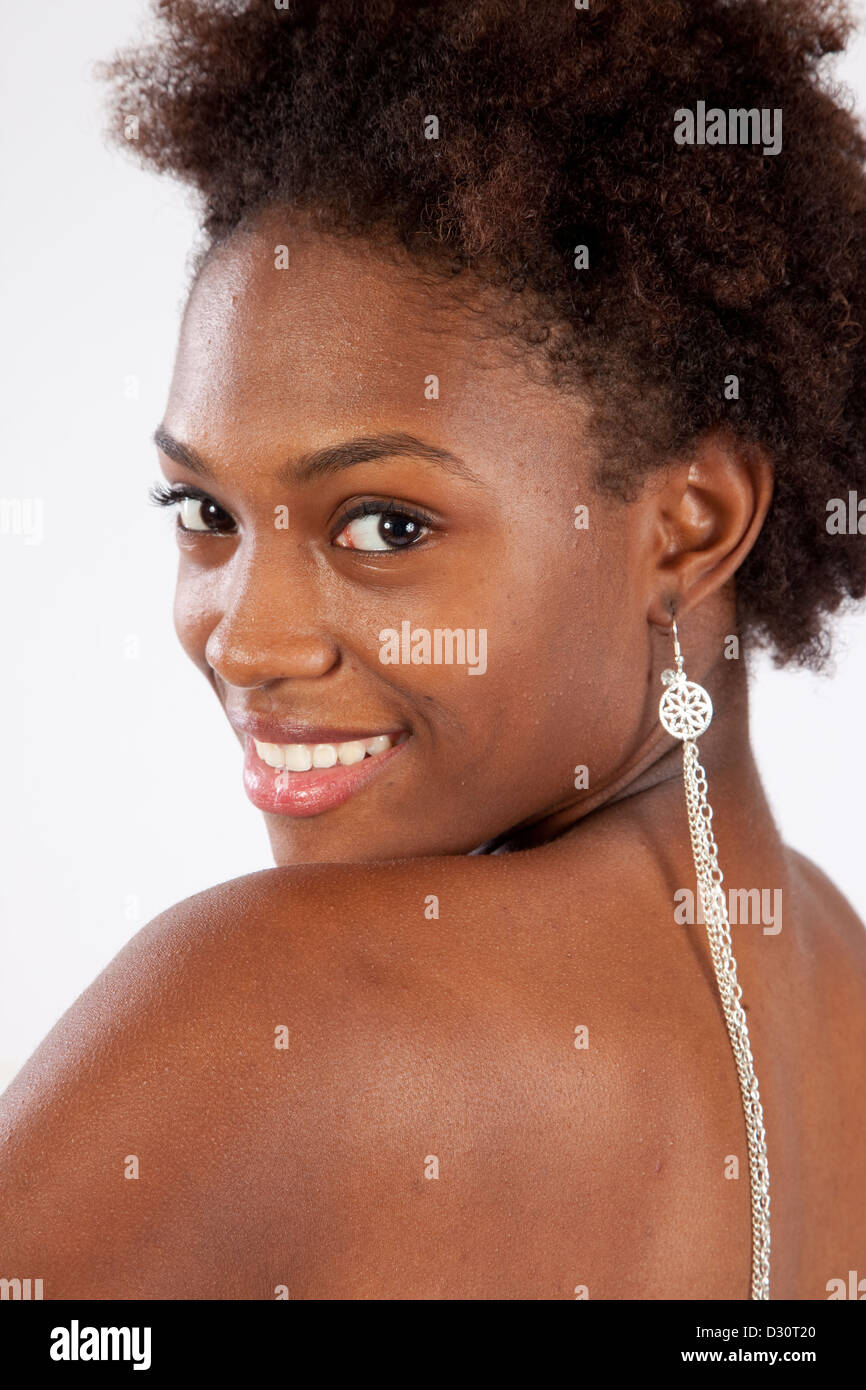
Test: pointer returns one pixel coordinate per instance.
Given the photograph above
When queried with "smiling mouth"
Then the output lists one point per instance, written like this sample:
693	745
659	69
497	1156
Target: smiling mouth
301	757
305	779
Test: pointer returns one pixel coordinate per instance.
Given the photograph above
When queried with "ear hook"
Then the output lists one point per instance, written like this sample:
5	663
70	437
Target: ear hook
678	656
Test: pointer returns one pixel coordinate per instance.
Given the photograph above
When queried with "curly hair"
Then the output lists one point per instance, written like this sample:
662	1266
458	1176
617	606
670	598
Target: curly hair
556	123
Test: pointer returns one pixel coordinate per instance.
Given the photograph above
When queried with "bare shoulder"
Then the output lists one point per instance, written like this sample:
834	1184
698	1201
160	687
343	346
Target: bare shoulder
272	1061
831	927
156	1093
144	1141
814	881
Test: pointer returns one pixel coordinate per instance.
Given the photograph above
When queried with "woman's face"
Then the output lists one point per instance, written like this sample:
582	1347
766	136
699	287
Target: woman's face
326	583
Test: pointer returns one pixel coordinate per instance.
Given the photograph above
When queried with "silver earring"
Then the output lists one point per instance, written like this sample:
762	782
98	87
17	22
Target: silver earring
685	711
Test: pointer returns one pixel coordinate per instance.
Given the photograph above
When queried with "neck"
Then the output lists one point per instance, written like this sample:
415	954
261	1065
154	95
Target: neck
657	761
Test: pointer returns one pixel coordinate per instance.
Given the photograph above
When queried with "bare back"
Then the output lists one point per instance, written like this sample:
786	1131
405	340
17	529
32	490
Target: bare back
494	1078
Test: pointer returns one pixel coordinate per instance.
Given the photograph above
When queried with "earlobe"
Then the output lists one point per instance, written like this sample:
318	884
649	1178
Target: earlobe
709	514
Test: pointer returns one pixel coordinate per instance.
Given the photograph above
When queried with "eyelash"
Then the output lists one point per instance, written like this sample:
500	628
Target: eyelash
371	508
164	496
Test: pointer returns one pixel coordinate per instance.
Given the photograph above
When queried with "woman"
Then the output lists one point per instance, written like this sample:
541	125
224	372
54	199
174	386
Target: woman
518	333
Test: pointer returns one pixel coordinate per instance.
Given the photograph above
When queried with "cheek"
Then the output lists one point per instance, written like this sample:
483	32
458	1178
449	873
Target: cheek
567	662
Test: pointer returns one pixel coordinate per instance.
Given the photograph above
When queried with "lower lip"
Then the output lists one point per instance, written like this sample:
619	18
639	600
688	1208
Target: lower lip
308	793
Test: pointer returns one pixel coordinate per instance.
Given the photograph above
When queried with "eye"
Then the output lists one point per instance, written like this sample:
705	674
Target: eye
203	514
196	511
373	527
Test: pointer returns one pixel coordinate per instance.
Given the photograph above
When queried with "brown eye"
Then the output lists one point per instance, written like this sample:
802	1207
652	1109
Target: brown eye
202	514
391	530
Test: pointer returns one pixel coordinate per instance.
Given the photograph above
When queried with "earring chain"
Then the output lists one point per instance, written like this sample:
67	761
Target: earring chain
685	711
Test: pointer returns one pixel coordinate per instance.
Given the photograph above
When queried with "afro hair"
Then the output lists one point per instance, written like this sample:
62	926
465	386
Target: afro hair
554	129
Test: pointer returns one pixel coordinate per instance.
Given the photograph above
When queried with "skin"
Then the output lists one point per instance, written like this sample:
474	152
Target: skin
452	1036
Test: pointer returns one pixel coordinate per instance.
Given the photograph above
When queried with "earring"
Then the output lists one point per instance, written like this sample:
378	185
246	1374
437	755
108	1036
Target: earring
685	711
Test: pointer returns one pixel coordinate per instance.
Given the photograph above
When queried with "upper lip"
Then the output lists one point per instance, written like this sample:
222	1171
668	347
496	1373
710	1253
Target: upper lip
267	729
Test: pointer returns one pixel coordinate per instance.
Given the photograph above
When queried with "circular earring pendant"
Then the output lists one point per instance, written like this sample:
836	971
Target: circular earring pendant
685	709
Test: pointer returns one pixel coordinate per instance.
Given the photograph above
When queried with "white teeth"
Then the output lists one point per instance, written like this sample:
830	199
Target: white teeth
300	757
270	753
350	753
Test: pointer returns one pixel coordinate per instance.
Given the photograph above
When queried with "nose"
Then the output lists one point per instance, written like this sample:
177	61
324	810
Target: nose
270	623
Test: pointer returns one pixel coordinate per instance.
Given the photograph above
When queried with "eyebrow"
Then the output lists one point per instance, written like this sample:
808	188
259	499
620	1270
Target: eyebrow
333	458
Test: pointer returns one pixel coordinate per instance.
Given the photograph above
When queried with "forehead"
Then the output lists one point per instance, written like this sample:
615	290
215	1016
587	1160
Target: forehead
291	333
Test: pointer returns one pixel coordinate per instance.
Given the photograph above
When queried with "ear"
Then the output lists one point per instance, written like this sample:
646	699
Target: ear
703	522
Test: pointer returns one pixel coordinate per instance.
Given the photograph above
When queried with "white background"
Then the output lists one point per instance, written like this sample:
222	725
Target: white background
120	775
